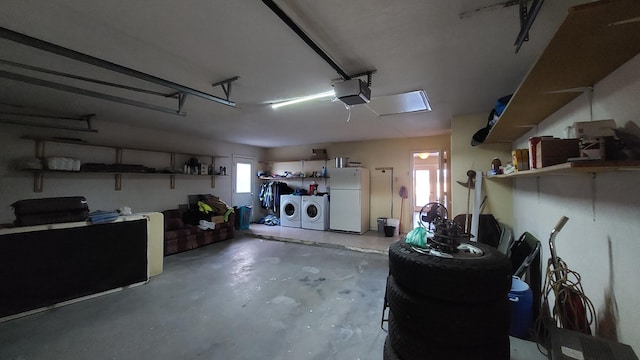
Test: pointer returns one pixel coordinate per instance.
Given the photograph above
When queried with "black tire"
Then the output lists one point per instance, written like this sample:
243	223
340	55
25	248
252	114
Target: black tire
387	352
436	319
409	346
461	279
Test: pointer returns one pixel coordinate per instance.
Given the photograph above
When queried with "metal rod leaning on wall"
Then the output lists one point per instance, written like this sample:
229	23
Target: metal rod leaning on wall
384	169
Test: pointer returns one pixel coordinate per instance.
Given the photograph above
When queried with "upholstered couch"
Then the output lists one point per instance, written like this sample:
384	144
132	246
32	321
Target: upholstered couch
180	236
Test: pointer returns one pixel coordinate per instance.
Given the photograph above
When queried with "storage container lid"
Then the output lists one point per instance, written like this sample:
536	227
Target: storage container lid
518	286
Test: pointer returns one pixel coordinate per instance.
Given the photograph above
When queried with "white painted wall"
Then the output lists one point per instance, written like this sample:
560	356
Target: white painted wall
601	210
142	193
466	157
396	153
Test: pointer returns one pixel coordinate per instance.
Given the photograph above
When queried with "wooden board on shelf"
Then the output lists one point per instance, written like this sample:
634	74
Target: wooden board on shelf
38	179
86	143
594	40
292	178
587	166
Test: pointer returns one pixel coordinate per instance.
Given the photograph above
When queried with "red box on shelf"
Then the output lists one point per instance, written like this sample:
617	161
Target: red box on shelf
556	151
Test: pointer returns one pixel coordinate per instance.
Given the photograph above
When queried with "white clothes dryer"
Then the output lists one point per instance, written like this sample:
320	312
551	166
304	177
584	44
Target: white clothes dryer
315	212
291	210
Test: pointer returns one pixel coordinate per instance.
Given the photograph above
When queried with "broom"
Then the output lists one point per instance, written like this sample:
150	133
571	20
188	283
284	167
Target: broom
404	193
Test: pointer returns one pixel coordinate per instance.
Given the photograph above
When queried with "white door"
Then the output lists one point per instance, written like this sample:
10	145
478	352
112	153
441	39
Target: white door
347	178
243	181
345	210
429	180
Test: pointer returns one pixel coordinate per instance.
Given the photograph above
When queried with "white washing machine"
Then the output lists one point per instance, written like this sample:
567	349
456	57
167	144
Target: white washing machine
315	212
291	210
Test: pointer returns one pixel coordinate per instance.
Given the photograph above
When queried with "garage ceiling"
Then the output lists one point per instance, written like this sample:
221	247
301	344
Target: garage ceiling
460	52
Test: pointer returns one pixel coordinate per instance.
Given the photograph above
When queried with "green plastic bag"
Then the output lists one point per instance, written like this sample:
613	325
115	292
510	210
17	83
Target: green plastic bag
417	237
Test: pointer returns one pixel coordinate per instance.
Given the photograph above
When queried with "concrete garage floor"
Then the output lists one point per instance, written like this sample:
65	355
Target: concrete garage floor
241	299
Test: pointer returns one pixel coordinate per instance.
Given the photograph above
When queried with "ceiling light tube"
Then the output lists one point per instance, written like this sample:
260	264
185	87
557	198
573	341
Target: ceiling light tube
302	99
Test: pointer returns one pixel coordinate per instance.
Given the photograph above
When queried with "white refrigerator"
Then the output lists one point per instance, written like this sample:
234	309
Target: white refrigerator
349	202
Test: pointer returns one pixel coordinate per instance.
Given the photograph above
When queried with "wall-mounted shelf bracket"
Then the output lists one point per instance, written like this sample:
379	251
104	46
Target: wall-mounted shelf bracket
226	85
182	97
16	117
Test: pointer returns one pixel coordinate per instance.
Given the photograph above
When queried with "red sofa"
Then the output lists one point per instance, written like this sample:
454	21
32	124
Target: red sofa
179	237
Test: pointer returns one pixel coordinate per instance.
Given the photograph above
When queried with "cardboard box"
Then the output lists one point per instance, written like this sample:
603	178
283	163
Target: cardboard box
592	148
520	159
533	142
524	165
556	151
594	129
319	154
217	219
516	158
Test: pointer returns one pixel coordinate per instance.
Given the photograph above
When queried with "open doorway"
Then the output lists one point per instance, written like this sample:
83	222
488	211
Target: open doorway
429	171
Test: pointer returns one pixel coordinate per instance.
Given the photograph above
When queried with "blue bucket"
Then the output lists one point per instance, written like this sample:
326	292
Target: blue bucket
521	299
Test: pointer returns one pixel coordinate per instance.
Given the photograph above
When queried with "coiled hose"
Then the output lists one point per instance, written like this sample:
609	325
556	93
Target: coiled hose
572	309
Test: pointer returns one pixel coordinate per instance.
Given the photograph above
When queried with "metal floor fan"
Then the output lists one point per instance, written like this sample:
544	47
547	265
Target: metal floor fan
431	213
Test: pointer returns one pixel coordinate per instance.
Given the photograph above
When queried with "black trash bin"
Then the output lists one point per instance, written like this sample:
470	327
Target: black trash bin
389	230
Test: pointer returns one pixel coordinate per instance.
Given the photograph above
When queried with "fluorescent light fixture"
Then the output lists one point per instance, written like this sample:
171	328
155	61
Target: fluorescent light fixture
304	98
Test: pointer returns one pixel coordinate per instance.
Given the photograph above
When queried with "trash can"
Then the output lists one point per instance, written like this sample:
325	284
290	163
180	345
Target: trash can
396	224
382	221
244	213
389	230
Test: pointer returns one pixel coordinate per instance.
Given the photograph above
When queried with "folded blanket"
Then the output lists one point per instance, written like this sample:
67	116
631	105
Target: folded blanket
101	216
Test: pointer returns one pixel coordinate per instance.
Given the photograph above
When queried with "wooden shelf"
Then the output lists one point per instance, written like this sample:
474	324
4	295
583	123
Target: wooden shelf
295	167
38	178
575	167
292	178
293	160
594	40
86	143
81	172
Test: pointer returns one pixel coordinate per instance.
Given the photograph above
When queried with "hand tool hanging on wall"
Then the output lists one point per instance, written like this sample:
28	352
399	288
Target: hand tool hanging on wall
404	193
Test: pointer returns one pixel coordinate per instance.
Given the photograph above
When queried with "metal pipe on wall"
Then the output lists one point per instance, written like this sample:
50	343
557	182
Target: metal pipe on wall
384	169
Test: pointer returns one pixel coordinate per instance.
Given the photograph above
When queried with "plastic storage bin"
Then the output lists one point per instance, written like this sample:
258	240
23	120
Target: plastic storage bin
244	214
521	299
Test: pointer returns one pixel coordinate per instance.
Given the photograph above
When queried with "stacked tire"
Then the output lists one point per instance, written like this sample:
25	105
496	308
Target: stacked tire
448	307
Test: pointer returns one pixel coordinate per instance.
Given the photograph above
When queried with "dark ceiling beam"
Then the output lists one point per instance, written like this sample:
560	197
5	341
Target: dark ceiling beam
296	29
98	95
527	17
82	78
88	59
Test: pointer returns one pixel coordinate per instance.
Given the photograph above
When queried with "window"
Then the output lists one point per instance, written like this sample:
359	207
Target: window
243	178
